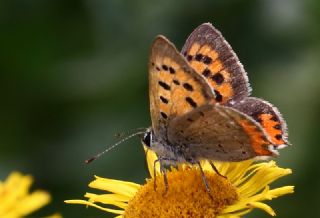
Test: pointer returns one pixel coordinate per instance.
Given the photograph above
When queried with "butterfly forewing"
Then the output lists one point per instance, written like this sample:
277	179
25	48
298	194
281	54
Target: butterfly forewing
210	55
174	87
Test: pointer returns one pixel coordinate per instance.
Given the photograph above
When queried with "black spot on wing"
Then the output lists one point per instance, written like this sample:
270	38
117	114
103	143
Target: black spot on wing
164	115
176	82
164	100
277	126
206	73
274	118
171	70
164	85
207	60
278	136
218	78
165	67
199	57
218	96
188	87
191	102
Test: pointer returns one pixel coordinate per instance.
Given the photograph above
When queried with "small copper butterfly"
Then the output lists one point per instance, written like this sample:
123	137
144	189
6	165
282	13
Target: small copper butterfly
201	107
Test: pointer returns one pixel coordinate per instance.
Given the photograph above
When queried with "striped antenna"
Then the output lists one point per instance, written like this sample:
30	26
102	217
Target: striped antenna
113	146
122	135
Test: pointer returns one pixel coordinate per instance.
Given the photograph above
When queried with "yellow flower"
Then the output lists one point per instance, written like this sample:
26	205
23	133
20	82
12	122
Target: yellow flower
15	199
246	186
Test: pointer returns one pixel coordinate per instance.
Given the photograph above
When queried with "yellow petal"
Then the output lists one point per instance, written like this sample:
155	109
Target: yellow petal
263	206
151	158
250	202
235	215
16	186
282	191
15	199
30	203
250	171
94	205
115	186
114	199
264	176
237	170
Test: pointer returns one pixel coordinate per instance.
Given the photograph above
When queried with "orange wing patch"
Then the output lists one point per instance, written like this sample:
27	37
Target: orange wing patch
267	116
258	140
179	91
273	128
175	88
194	49
205	61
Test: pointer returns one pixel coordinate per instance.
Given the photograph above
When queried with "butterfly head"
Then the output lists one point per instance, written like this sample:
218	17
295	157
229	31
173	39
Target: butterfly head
158	146
147	137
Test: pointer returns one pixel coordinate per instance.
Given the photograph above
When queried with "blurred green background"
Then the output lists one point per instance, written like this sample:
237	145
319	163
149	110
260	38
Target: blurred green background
74	73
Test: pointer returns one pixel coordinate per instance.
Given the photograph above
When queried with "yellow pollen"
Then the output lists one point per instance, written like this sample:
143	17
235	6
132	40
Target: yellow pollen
186	196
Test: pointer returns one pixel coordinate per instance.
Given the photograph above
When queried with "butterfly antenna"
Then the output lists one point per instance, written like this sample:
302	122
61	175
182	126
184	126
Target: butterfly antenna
113	146
122	135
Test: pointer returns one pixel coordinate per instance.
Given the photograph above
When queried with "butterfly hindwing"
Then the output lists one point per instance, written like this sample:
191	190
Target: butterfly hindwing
174	87
268	116
210	55
217	132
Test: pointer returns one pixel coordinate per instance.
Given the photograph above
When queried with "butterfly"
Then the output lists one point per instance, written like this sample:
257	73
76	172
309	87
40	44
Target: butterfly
201	107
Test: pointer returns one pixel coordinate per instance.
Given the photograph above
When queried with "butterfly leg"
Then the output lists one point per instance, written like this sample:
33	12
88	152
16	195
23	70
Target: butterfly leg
204	180
216	170
163	171
165	179
162	161
155	174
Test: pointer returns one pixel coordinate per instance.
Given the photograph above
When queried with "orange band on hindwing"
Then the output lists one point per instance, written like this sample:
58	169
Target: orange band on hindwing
272	127
267	116
258	140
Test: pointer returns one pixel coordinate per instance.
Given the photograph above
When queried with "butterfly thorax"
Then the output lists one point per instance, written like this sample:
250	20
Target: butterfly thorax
165	151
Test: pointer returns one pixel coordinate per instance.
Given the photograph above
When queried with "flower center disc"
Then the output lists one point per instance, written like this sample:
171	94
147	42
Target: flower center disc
186	196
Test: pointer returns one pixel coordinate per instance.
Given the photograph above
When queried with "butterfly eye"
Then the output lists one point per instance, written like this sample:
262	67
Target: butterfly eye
147	138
